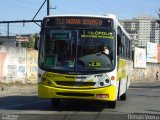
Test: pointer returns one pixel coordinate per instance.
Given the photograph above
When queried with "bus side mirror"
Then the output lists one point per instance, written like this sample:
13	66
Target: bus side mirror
36	44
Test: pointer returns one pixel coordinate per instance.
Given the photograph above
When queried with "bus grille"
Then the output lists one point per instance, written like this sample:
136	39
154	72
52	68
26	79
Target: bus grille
75	94
75	83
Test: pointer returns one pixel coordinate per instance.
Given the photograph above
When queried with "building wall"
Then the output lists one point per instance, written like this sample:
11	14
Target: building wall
32	67
147	74
142	29
18	64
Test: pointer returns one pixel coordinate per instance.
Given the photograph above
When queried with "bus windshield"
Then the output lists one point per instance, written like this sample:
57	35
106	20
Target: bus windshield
77	50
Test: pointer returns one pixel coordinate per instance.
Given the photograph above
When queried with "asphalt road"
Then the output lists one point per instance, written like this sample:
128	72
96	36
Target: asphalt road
143	101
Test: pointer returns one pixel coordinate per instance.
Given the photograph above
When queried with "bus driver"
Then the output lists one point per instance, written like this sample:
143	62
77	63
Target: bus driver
105	49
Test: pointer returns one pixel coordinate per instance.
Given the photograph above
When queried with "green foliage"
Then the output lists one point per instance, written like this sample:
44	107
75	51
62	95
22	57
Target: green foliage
30	43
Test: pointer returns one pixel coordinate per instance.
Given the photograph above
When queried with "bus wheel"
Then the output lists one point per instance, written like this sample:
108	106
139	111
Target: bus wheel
111	104
56	102
123	96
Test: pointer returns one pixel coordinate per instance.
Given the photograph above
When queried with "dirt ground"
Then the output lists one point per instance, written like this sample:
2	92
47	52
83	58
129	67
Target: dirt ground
18	90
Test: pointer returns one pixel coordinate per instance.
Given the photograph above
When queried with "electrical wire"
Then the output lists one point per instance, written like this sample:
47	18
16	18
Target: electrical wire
6	32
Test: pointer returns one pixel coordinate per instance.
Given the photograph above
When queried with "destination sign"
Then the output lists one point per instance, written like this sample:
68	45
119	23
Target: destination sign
78	22
96	34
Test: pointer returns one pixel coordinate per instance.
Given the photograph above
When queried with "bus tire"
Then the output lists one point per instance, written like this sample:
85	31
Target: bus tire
56	102
111	104
123	97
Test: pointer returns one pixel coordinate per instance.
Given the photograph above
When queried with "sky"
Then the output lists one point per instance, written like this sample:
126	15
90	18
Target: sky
26	9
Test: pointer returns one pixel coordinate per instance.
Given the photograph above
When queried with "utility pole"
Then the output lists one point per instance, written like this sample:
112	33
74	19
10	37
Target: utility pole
48	7
8	29
18	21
33	19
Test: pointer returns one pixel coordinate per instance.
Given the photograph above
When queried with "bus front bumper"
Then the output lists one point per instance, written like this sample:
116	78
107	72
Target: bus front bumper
104	94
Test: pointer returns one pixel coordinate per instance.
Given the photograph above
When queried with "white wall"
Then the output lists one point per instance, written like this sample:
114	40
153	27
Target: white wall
13	64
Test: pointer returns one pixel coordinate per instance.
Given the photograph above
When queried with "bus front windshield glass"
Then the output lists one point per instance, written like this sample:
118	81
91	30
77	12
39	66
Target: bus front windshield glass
78	50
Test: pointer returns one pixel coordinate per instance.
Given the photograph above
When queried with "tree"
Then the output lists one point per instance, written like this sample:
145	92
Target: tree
30	43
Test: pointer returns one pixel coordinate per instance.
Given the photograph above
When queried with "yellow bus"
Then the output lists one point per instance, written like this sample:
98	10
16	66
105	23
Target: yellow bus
83	57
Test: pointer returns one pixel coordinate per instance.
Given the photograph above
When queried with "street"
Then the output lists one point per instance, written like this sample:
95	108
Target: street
143	100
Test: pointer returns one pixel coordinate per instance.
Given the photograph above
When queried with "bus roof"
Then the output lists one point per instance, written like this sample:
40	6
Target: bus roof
81	15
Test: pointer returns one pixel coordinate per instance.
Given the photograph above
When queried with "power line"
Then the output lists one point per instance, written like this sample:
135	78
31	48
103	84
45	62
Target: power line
6	32
40	9
28	21
21	21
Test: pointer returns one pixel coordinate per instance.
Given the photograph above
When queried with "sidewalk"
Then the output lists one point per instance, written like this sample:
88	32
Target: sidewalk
139	84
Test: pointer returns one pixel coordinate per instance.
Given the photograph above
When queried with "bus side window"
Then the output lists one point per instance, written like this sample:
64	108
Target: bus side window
120	48
118	45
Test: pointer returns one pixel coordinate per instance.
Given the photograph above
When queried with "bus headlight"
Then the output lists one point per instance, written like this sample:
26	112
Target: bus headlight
104	81
43	79
46	81
49	82
107	81
101	84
